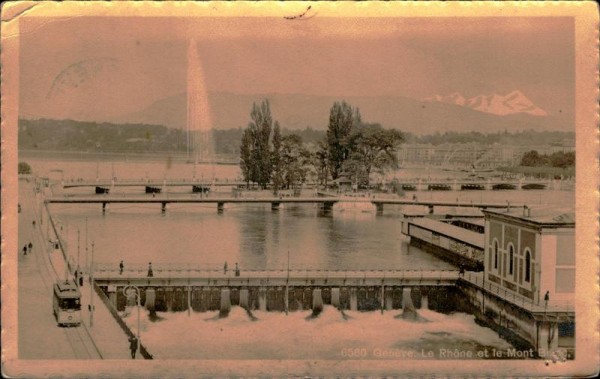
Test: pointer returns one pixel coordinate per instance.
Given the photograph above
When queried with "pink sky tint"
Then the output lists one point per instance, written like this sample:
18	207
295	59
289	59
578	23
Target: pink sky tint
412	57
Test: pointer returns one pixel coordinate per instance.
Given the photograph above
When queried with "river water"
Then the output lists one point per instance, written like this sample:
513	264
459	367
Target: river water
258	238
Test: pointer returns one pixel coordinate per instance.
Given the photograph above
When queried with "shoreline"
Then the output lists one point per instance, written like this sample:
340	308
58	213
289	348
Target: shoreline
159	156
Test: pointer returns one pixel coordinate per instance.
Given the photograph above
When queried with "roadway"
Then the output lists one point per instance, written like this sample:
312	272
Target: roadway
72	183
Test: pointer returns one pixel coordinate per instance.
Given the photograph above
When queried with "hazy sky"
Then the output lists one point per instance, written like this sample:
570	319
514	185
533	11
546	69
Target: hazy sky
100	67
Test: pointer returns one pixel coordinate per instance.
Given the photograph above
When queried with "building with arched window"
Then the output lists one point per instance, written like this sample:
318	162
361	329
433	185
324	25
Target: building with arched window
531	251
529	272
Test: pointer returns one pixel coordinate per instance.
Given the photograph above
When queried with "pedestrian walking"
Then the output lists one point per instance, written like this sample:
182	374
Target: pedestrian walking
546	299
30	246
150	272
25	250
237	269
133	344
33	223
225	268
461	271
80	279
121	267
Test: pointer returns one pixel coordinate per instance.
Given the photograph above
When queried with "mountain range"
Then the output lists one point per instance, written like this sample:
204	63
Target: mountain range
297	111
512	103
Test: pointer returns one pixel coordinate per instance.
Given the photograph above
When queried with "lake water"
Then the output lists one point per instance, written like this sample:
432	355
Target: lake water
251	235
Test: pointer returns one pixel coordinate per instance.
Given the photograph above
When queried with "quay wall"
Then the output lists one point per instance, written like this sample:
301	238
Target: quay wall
523	329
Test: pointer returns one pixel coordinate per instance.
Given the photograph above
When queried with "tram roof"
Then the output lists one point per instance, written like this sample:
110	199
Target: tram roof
66	289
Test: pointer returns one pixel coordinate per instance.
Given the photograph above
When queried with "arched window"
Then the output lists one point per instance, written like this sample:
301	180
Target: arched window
511	258
495	254
528	266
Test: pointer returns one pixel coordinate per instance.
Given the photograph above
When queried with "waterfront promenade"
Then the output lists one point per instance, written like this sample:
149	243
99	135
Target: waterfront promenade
39	337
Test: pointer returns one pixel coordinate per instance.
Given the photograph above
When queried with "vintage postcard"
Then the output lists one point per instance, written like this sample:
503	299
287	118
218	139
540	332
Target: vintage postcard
299	189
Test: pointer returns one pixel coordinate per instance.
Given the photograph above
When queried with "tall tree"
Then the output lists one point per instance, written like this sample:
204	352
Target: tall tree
533	158
257	162
342	118
295	159
246	163
276	159
320	161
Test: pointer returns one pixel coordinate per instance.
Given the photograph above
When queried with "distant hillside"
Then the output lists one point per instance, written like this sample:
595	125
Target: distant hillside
71	135
296	111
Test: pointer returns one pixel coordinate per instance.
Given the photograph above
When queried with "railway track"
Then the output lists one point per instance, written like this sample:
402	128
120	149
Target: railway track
81	342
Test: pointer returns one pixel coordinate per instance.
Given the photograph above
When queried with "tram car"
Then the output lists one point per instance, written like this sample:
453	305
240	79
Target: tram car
67	303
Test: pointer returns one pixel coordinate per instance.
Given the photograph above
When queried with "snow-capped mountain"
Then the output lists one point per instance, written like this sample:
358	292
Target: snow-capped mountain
514	102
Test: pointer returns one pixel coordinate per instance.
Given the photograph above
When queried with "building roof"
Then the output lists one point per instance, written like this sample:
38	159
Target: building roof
460	234
474	221
544	216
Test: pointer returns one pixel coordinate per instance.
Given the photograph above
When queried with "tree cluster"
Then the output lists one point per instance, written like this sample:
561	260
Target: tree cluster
267	157
24	168
520	138
558	159
351	148
72	135
355	149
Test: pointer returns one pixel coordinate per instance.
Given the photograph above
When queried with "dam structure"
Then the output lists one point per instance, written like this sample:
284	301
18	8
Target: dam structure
275	290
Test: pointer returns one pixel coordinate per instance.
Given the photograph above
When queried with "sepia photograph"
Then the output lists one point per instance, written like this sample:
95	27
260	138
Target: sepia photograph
302	189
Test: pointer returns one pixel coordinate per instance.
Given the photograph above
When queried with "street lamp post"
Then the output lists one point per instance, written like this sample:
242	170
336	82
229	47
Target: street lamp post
78	252
92	288
287	285
87	267
126	292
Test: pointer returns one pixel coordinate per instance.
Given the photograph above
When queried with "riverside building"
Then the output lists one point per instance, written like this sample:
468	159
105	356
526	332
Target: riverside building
527	288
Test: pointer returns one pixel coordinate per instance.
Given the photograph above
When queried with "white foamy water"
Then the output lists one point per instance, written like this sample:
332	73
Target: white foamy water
274	335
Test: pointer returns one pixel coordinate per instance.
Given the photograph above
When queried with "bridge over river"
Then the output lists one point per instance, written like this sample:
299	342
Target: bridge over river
202	185
326	203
